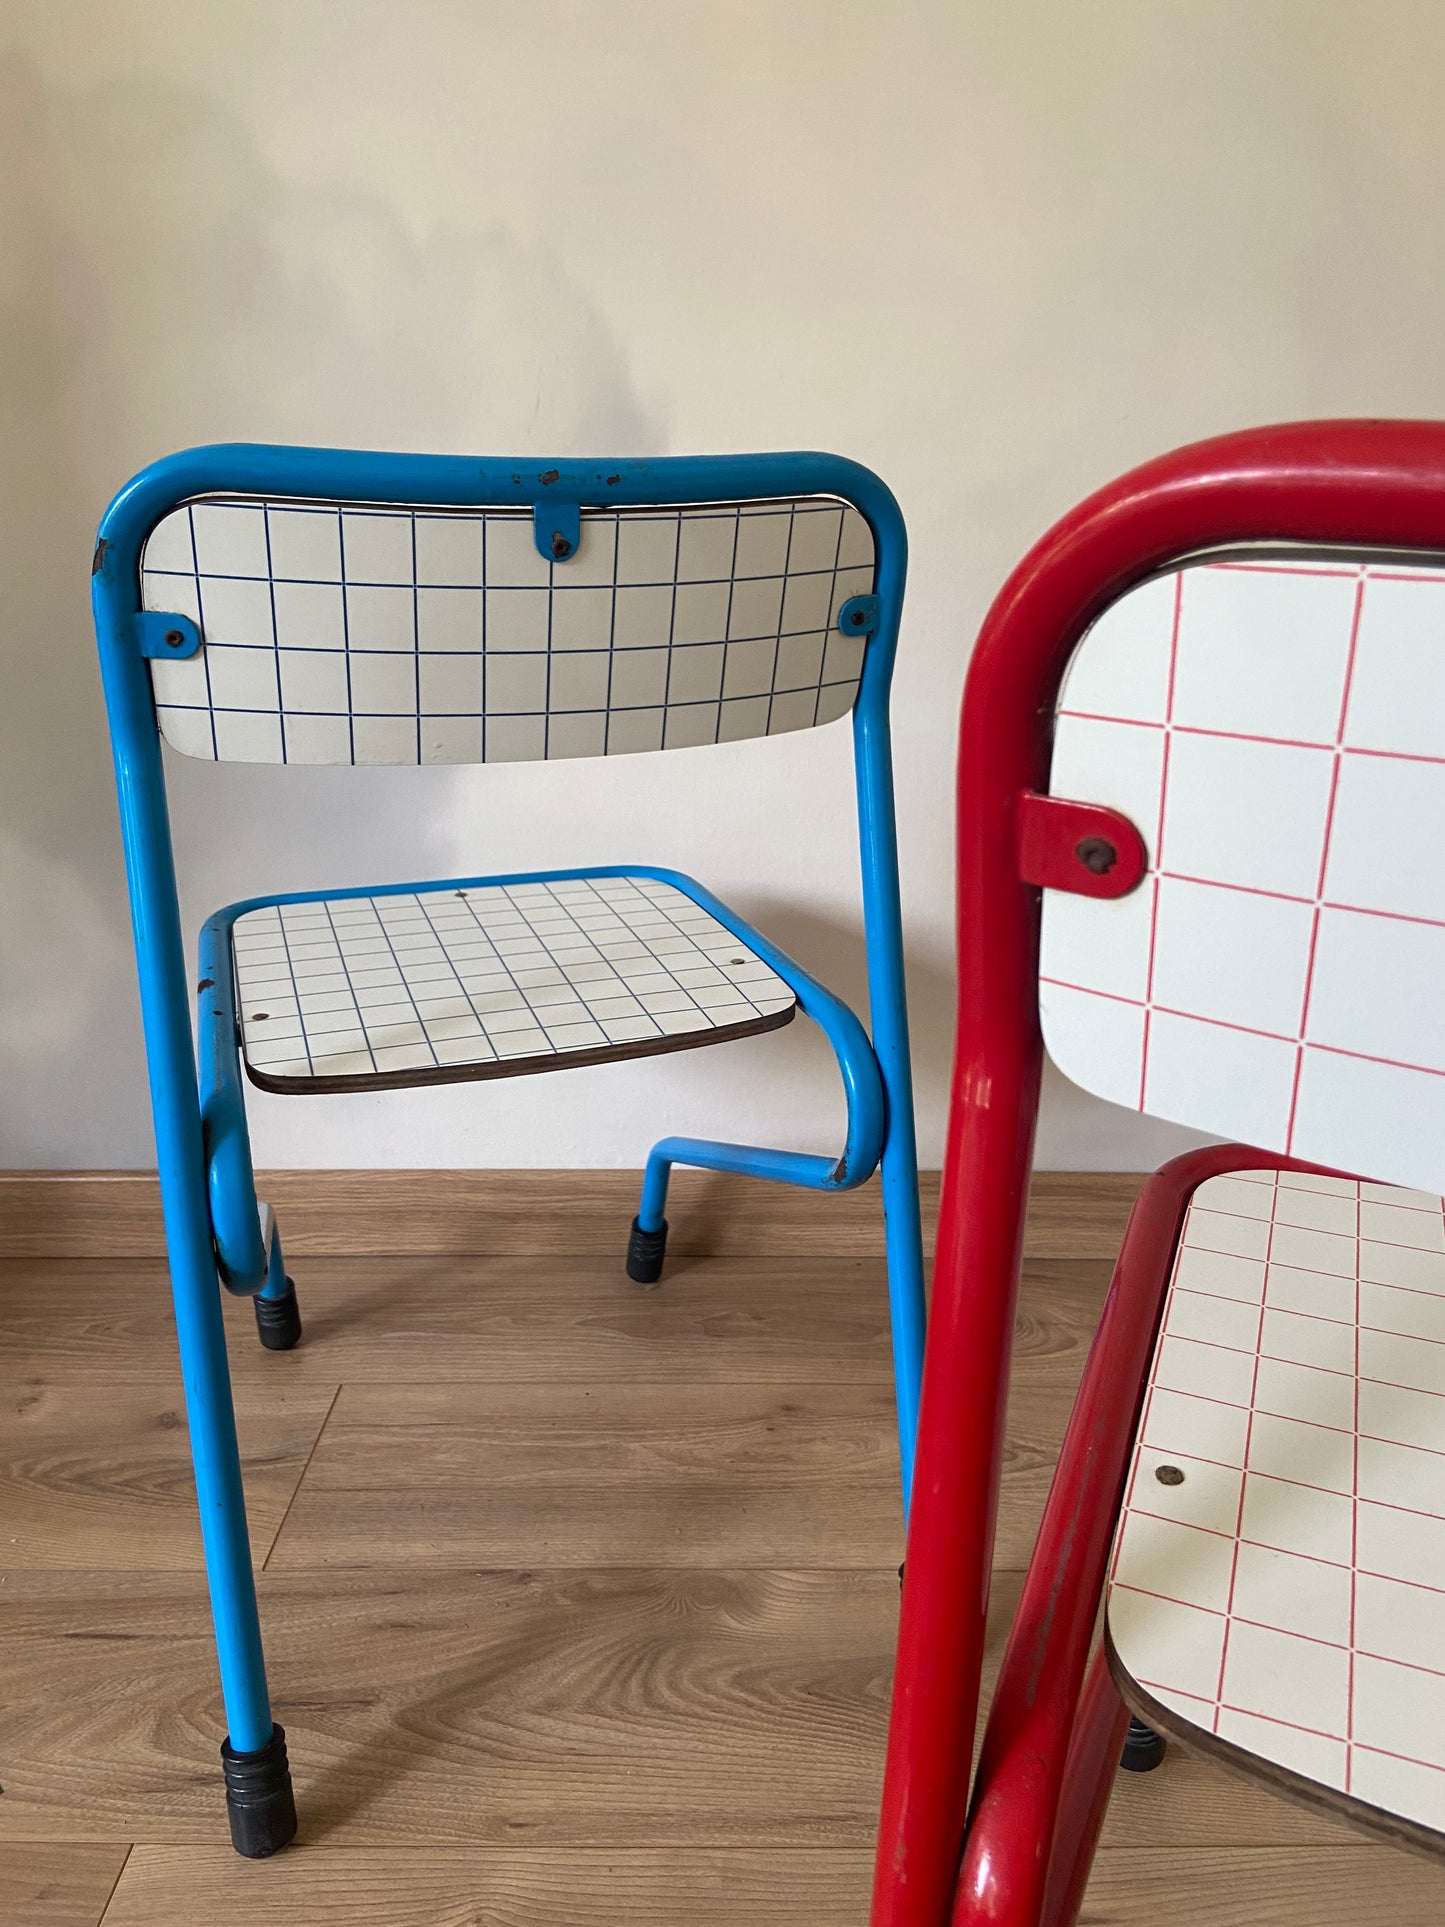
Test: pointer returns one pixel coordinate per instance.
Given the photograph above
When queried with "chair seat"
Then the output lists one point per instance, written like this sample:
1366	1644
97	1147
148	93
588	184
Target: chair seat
1277	1591
440	984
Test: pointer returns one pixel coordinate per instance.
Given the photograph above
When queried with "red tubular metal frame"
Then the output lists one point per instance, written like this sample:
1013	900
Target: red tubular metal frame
1020	1855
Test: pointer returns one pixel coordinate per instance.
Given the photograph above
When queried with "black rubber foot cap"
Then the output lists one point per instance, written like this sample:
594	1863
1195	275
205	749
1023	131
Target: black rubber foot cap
259	1800
1143	1748
278	1320
645	1251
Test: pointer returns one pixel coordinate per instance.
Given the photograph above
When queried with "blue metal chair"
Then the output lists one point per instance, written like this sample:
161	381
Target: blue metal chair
283	605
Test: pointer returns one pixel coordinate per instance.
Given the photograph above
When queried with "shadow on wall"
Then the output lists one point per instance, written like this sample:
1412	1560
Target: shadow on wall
160	286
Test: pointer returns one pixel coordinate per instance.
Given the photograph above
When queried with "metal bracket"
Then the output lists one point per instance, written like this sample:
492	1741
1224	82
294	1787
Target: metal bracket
1083	848
557	529
162	637
858	616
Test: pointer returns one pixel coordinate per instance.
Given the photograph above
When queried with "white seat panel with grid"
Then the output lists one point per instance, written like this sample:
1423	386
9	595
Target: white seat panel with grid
337	633
1274	725
1278	1581
489	980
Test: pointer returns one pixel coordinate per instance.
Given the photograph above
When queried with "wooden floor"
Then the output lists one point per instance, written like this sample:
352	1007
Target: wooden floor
579	1605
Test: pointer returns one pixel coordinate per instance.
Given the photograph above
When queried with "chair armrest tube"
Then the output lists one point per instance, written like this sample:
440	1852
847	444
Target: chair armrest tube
857	1066
241	1254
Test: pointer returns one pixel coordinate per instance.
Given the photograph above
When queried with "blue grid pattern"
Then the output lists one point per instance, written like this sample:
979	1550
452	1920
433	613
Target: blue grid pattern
488	981
351	634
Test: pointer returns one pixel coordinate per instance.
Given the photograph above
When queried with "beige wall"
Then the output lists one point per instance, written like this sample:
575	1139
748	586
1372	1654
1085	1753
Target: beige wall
998	251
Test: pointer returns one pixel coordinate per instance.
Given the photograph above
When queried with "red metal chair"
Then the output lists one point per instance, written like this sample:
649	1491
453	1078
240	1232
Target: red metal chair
1214	870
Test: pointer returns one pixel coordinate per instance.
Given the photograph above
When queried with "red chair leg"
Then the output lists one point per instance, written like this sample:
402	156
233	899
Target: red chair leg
1089	1770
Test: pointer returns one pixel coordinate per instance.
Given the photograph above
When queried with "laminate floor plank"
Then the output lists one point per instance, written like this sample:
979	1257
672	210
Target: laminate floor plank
1355	1885
1346	1886
56	1883
370	1887
713	1214
483	1709
564	1474
101	1478
583	1709
797	1320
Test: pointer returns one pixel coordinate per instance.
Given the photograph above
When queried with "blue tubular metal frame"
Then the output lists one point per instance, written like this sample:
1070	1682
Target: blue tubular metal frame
203	1150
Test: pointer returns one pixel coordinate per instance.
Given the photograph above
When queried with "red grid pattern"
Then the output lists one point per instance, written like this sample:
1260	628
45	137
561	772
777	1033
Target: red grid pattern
1288	1593
1271	892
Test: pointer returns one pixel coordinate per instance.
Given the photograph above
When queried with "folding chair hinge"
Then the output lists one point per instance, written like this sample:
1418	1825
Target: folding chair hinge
858	615
1080	847
162	636
557	529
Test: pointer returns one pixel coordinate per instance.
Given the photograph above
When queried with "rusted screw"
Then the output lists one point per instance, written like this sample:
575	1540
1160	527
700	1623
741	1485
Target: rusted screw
1097	854
1168	1475
858	618
176	638
561	547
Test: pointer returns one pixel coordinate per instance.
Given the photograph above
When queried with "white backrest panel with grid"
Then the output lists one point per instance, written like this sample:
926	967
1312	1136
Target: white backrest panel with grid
1274	725
337	634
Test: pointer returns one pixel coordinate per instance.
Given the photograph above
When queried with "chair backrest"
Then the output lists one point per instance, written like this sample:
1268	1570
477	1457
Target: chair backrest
338	631
1273	722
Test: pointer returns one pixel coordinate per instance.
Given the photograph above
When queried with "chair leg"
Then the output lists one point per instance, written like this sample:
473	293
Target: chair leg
278	1315
1144	1749
1084	1797
903	1239
259	1799
647	1240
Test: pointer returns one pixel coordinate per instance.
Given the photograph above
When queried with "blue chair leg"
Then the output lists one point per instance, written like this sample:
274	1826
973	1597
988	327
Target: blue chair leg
259	1800
278	1315
647	1241
903	1241
258	1782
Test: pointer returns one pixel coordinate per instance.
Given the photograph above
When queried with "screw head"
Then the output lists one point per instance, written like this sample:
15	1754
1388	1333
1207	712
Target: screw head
561	547
175	638
1168	1475
1097	854
858	618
